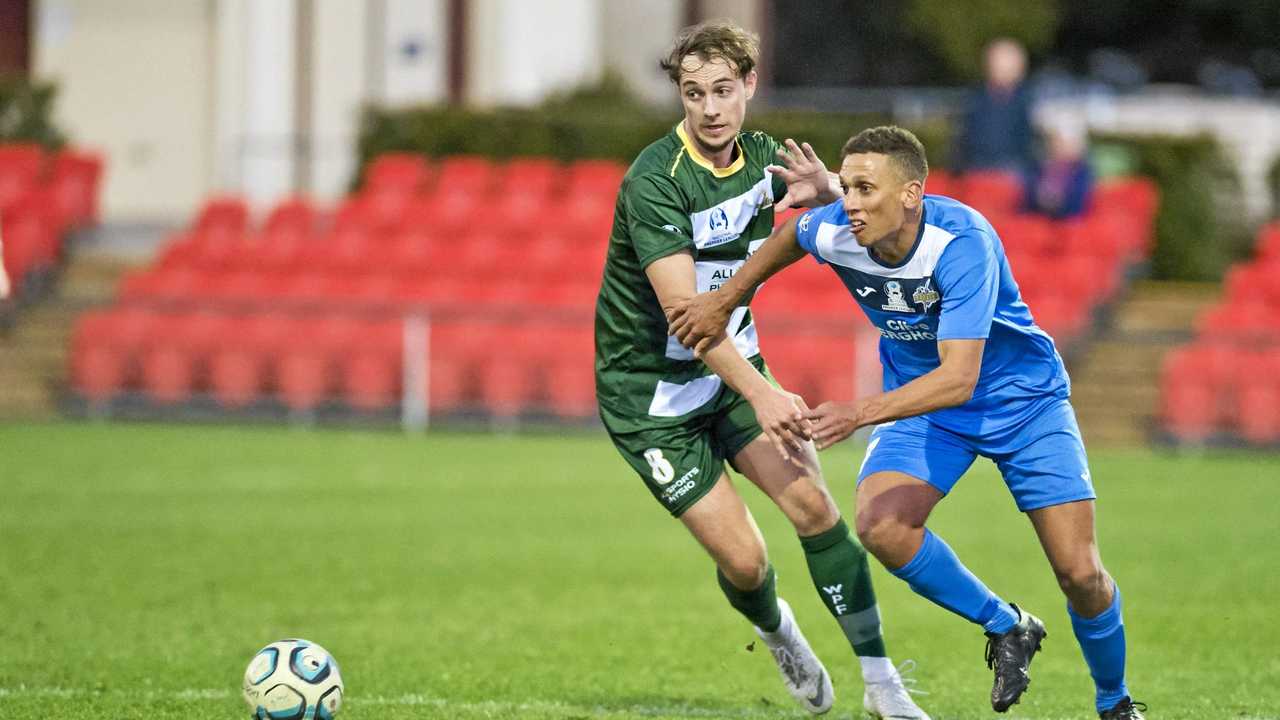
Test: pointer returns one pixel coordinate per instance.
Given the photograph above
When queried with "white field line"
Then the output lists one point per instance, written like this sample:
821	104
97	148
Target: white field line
492	707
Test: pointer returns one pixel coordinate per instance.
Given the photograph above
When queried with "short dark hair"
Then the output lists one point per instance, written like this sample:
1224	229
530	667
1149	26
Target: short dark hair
902	147
710	40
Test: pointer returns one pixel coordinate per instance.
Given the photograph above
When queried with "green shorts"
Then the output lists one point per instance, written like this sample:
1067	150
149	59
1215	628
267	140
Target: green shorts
681	463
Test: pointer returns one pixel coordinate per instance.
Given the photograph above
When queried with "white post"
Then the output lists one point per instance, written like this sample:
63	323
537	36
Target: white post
416	373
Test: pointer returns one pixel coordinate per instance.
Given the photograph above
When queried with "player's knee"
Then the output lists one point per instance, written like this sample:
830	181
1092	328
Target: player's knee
746	572
1084	579
812	511
881	533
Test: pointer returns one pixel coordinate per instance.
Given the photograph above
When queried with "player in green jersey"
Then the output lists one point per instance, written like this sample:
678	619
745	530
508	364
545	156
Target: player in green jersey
691	208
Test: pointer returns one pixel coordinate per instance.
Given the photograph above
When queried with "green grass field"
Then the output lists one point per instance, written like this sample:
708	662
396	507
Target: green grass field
477	576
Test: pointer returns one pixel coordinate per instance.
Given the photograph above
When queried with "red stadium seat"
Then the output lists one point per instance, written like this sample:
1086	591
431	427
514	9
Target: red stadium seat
536	176
294	217
596	178
570	375
97	364
167	374
1268	243
20	168
509	377
222	216
235	376
444	212
371	370
401	171
1133	196
1031	234
349	250
469	174
457	349
993	192
74	180
302	376
1257	396
941	182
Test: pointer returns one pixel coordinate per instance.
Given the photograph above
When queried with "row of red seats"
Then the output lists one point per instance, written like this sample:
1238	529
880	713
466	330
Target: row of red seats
1214	388
387	291
43	196
1228	380
1250	308
506	366
412	173
305	361
549	252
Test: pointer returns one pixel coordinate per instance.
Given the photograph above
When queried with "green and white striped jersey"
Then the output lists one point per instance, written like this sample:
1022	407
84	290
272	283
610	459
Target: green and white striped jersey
673	199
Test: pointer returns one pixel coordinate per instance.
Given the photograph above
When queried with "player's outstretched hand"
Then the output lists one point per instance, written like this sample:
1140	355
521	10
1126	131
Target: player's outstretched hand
698	322
781	414
832	422
806	177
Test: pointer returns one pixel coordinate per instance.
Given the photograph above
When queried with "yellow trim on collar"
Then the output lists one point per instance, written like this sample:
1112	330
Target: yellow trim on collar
697	157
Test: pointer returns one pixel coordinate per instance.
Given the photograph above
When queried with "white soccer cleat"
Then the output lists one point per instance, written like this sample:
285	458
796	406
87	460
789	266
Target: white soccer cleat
890	699
802	672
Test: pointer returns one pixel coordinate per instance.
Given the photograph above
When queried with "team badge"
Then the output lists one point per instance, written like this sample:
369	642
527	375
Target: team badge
925	295
719	219
804	221
896	300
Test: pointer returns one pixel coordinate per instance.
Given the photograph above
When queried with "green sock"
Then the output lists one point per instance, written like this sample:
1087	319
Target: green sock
838	566
760	606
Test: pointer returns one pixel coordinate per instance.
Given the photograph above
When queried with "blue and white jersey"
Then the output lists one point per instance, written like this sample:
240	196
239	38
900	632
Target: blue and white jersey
954	284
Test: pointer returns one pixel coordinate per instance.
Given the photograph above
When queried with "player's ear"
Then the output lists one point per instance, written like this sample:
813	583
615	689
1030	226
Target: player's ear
750	80
912	194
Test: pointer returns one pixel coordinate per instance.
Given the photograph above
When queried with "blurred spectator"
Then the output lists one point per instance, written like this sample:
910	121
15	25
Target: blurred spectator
1061	185
997	132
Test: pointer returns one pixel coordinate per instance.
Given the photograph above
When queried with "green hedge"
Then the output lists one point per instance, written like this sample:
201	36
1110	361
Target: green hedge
26	113
1198	229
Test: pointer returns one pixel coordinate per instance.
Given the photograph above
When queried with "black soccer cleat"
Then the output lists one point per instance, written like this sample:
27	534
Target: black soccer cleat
1009	655
1126	709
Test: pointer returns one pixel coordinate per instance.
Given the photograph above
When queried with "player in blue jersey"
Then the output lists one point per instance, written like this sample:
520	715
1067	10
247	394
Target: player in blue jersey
966	373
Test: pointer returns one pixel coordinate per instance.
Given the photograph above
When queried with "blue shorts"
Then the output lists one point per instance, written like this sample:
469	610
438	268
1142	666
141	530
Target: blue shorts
1043	460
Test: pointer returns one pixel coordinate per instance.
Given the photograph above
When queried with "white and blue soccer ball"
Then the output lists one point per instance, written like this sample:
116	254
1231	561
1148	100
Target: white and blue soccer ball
293	680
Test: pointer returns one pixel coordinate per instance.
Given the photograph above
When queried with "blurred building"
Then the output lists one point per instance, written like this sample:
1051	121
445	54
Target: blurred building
190	97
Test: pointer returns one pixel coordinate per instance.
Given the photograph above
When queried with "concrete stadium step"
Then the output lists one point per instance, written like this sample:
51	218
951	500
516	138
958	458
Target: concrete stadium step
33	354
1116	382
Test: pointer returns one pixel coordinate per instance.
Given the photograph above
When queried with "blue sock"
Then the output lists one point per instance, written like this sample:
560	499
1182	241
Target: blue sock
1101	640
936	573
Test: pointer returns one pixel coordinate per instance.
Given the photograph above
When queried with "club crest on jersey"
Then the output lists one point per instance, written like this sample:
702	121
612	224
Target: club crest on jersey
721	233
719	220
925	295
804	222
896	300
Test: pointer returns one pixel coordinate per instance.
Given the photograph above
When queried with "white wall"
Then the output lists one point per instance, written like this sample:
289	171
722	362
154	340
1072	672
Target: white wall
135	80
635	55
339	79
518	51
414	57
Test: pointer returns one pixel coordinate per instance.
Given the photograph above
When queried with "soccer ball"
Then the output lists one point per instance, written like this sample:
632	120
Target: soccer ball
293	680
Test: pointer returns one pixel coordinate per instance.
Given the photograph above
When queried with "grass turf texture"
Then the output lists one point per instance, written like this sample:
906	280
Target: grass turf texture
475	576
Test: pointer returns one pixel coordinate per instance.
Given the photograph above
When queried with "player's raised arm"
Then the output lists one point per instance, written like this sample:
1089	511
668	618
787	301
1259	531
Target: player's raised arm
697	322
778	411
809	183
